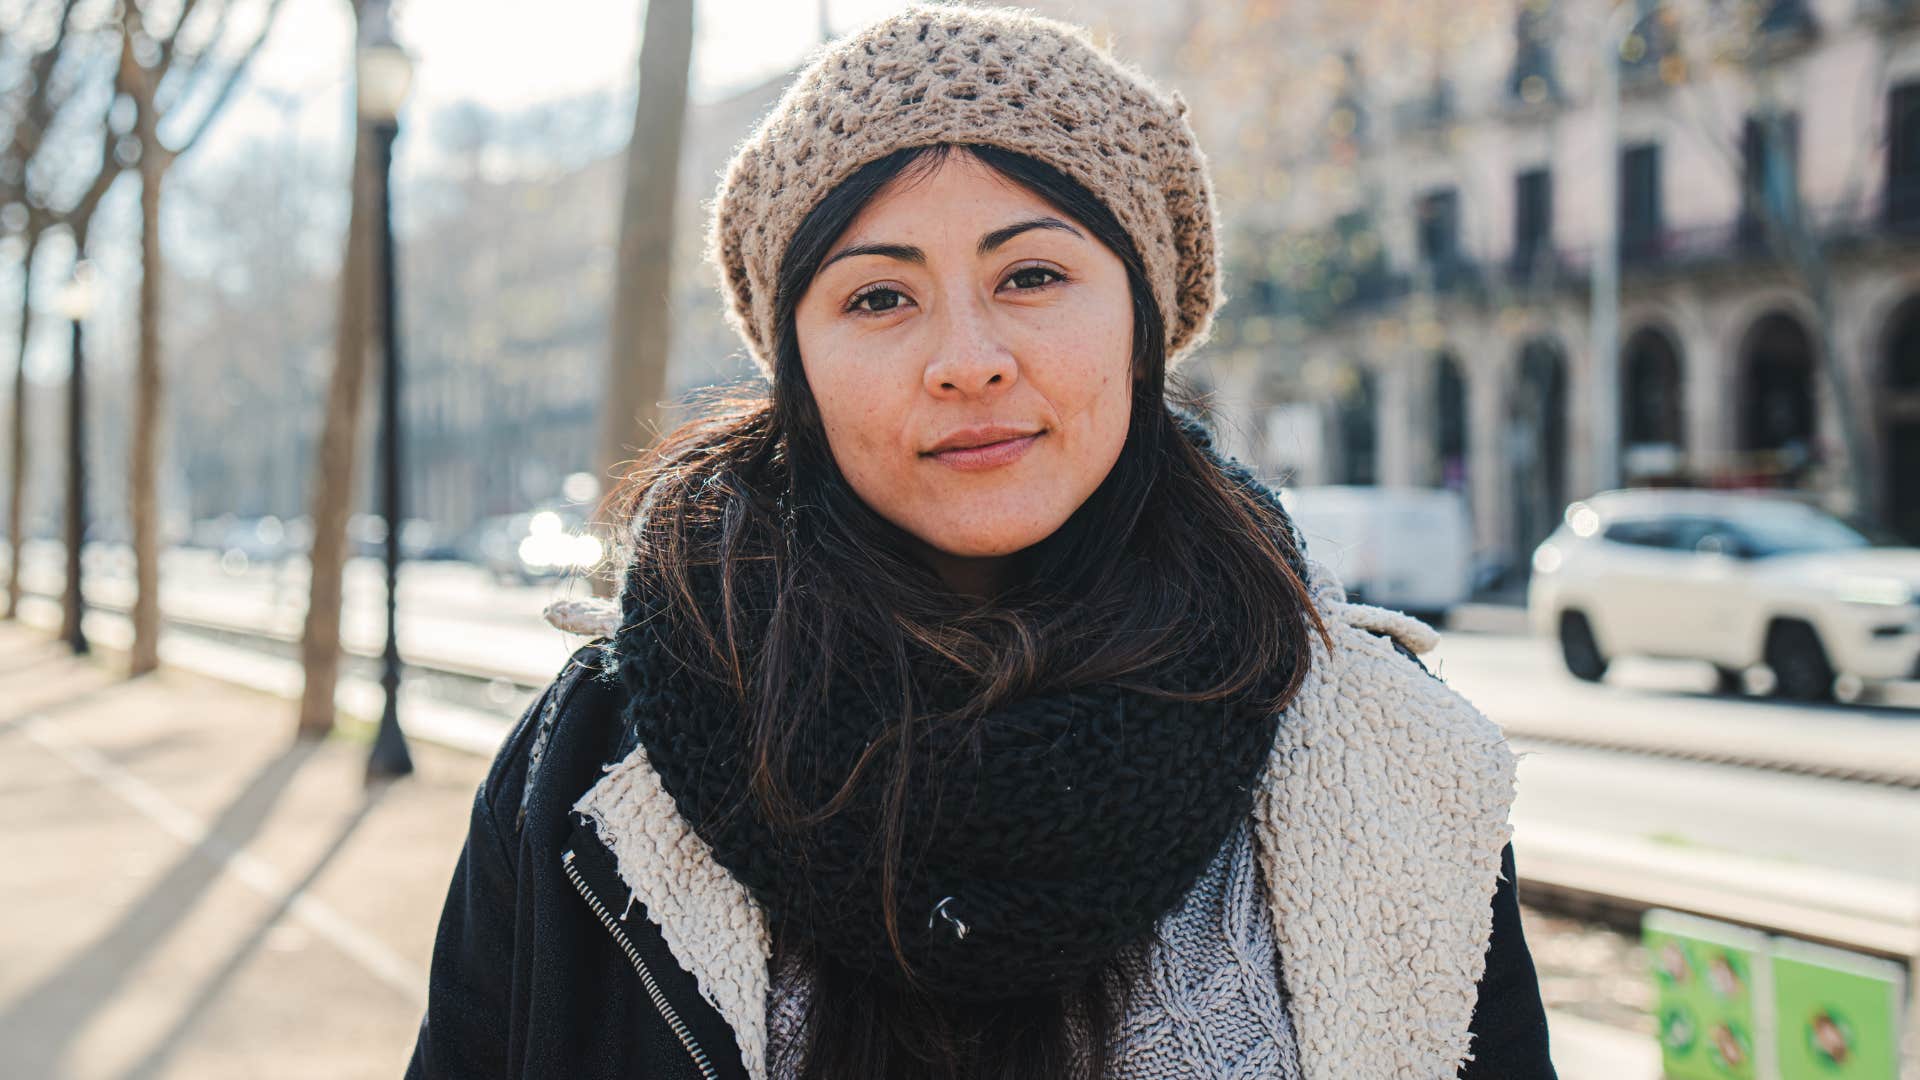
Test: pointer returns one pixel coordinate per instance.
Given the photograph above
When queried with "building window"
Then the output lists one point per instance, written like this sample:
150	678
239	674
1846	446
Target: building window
1532	220
1450	392
1648	45
1653	414
1532	80
1536	442
1791	18
1356	413
1640	218
1903	155
1770	154
1777	416
1438	214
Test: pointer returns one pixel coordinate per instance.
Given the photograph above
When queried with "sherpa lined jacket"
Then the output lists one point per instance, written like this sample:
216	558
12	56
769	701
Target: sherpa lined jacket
589	933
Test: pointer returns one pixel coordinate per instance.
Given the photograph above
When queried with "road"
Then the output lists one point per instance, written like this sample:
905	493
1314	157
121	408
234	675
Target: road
1810	821
1670	706
451	614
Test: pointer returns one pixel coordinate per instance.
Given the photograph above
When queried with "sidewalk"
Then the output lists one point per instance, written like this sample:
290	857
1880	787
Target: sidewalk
187	892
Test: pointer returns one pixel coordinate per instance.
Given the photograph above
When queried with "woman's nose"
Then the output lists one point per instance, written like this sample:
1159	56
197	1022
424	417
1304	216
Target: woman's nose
970	358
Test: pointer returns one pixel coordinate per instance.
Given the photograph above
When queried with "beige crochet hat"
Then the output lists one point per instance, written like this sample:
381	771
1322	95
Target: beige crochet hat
990	76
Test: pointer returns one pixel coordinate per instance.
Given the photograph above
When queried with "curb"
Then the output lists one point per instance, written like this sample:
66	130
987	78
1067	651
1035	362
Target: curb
1521	738
1616	879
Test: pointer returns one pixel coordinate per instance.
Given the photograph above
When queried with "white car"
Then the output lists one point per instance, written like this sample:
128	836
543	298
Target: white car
1736	580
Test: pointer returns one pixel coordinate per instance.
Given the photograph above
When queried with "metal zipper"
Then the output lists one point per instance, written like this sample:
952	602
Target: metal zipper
660	1001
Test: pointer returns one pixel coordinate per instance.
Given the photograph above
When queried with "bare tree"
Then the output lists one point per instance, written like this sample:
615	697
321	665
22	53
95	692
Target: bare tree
17	460
642	291
162	72
333	472
1755	38
29	110
65	190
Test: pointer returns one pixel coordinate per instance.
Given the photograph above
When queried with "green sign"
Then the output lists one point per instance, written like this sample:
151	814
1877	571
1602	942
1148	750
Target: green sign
1737	1004
1709	980
1837	1014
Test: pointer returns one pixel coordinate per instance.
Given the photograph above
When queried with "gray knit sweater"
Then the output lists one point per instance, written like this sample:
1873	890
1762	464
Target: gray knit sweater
1204	995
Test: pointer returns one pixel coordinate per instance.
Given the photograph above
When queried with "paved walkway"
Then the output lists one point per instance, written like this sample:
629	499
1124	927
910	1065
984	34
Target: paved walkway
185	891
188	892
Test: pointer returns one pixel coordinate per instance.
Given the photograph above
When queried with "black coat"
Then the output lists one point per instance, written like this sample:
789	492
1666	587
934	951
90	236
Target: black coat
535	974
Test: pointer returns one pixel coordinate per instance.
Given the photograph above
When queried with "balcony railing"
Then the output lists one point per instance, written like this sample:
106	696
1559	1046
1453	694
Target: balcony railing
1889	12
1892	218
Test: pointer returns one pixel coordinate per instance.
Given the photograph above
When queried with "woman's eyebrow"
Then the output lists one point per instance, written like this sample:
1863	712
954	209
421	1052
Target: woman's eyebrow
909	254
903	252
1000	236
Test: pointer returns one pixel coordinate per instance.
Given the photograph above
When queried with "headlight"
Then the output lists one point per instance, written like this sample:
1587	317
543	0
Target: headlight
537	551
1582	519
1890	592
1547	559
561	550
587	551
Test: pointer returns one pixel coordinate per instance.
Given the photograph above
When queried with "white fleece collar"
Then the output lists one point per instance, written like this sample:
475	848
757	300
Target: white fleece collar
1380	824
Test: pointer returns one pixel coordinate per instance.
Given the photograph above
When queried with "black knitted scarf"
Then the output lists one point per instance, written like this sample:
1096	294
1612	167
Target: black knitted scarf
1038	842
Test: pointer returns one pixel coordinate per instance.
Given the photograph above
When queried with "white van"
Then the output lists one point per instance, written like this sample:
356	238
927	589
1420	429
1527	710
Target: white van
1410	549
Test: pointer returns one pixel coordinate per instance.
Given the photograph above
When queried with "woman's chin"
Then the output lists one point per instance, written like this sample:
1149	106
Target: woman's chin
959	541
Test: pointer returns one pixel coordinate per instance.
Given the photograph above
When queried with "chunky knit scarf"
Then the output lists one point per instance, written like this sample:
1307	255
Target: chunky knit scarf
1035	850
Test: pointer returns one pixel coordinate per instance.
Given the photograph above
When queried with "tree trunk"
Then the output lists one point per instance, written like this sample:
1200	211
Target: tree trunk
1794	238
1862	451
642	293
334	469
143	470
17	463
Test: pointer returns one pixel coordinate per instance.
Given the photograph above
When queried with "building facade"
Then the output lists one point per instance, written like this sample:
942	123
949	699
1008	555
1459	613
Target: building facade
1425	318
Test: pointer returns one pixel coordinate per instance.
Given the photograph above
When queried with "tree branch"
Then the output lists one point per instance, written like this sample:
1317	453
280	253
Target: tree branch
77	216
234	76
38	112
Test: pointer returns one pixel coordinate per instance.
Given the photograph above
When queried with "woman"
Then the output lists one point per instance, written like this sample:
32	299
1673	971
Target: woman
964	714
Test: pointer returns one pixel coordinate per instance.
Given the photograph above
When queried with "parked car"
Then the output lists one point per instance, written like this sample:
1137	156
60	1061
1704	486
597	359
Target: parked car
533	546
424	541
255	539
367	536
1404	548
1736	580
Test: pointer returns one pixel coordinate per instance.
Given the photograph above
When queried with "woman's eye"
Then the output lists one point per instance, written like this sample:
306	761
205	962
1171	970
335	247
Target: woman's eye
876	301
1034	277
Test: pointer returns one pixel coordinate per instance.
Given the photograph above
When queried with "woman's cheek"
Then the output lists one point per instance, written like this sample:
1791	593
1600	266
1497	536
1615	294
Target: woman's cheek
1088	373
862	410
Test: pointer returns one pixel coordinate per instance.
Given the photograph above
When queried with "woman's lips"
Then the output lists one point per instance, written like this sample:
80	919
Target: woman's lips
990	456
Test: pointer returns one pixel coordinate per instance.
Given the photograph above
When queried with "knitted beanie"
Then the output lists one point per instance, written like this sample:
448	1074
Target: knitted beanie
987	76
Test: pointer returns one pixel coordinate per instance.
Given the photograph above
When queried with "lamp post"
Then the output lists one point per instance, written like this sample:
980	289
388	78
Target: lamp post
74	303
385	73
1604	328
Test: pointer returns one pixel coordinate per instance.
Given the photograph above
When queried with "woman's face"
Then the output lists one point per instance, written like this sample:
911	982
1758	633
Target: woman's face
970	352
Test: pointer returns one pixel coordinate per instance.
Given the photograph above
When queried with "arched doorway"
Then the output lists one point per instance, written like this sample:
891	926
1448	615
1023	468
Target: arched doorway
1537	444
1777	416
1450	426
1356	407
1653	419
1900	420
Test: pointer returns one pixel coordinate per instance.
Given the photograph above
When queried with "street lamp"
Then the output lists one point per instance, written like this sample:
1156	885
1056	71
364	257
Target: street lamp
1604	284
74	303
385	73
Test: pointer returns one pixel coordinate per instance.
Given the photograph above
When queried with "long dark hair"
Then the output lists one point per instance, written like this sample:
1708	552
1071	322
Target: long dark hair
1165	550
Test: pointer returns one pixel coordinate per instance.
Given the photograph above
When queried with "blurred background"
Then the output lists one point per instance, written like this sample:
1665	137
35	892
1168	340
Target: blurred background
1587	330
